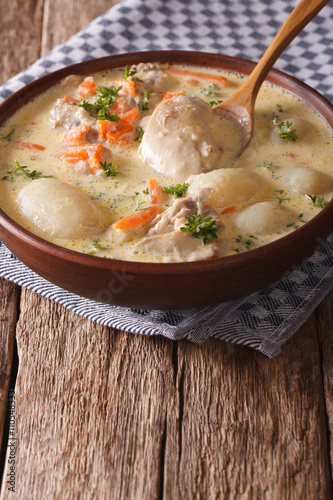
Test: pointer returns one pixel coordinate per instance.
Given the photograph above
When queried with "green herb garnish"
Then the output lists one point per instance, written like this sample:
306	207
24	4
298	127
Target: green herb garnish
145	191
245	243
88	106
23	169
105	99
109	169
140	134
177	190
212	90
145	101
98	246
294	225
139	205
282	200
316	201
285	131
264	164
203	229
8	137
129	73
214	103
105	115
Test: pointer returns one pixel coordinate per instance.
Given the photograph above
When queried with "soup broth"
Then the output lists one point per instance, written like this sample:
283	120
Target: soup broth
133	164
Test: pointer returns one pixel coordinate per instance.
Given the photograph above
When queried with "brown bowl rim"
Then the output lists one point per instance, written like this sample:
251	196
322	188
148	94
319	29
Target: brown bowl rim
225	62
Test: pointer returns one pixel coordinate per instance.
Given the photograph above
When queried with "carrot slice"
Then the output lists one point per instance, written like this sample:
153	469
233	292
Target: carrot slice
155	193
192	81
119	107
76	134
131	116
229	210
87	87
119	131
181	72
74	156
70	100
127	86
168	94
88	152
29	145
137	219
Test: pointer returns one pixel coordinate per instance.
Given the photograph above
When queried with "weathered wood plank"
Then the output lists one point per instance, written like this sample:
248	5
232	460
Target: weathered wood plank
8	315
249	427
64	18
20	28
324	316
91	407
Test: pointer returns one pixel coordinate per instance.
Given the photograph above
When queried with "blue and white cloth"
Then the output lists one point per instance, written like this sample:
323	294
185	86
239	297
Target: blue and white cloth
241	28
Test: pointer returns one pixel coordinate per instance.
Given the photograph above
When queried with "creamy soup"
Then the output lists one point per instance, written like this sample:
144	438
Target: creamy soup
133	164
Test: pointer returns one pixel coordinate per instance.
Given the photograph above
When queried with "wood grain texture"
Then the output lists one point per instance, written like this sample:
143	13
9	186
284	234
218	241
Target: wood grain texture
91	406
251	428
103	414
324	317
8	315
63	18
21	30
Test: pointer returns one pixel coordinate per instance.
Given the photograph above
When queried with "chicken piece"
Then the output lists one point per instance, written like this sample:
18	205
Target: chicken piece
166	239
69	116
150	75
178	141
181	247
176	216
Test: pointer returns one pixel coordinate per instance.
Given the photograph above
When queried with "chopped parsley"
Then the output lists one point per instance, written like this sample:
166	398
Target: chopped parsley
177	190
316	201
109	169
285	130
105	115
282	200
140	133
214	103
105	99
98	246
280	109
88	106
8	137
244	243
203	229
212	90
139	206
264	164
145	191
145	101
295	224
23	169
129	73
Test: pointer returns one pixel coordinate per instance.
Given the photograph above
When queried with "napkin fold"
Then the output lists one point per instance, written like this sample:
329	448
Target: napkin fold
240	28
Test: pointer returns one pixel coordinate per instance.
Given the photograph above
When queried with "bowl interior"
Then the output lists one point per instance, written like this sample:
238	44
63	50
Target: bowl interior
188	284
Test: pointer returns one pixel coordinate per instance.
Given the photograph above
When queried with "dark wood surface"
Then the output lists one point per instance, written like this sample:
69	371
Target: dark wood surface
102	414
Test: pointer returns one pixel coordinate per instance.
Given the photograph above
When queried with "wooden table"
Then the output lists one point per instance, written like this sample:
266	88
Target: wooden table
102	414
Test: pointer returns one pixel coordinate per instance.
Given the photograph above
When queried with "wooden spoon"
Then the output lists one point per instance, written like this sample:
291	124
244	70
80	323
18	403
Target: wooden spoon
240	105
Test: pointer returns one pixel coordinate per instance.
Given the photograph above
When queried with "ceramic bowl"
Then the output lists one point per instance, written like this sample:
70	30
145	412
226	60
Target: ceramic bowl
166	286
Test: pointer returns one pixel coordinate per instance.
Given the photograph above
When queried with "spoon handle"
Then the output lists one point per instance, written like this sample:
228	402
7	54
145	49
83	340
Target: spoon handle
299	17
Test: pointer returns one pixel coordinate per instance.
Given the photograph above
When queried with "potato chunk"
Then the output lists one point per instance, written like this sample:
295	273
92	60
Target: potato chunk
306	180
59	209
263	218
230	185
